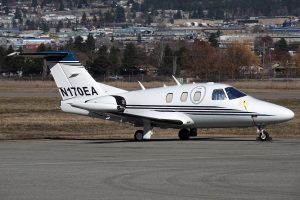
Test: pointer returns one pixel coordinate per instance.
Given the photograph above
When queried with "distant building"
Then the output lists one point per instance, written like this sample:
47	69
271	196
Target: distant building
9	31
273	21
34	43
54	18
198	22
6	21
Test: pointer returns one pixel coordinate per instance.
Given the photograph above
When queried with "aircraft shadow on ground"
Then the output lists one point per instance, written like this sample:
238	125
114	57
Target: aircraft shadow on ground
212	139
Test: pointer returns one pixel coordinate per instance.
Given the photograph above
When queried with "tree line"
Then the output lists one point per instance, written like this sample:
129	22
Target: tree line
202	59
223	9
198	59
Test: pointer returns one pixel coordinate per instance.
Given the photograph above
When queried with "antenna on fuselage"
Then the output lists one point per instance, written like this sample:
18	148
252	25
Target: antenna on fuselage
142	86
177	82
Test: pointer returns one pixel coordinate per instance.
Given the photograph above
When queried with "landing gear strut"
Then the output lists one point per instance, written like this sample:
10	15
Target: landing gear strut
262	134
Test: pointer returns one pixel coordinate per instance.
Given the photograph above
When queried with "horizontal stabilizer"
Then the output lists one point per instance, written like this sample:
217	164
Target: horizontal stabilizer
49	55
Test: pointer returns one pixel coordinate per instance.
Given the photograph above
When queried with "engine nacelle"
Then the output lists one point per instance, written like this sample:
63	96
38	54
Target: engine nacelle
103	104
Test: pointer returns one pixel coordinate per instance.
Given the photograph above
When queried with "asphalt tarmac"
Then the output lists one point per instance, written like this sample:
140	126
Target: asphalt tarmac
203	168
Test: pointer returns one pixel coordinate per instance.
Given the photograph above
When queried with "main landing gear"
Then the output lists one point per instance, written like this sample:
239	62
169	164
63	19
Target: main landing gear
138	135
185	134
145	134
263	135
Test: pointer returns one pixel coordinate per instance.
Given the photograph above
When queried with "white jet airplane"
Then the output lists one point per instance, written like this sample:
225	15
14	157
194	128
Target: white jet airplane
185	107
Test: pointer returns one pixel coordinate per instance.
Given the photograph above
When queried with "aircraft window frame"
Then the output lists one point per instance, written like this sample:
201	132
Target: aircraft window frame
218	95
200	89
169	97
236	95
197	98
184	98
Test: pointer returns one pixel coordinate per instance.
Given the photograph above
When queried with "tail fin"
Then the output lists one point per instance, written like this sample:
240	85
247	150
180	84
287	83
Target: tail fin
71	78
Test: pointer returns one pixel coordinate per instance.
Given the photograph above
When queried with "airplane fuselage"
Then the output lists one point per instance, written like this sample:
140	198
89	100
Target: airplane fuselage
187	107
204	110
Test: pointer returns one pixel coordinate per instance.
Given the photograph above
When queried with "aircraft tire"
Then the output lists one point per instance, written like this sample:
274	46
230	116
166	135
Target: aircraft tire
138	135
264	135
184	134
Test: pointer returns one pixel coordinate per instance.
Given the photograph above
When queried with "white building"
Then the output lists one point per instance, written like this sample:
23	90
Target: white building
57	18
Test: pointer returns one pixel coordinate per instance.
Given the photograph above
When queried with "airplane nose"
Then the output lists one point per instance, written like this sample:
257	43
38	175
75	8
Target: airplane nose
286	114
274	113
290	114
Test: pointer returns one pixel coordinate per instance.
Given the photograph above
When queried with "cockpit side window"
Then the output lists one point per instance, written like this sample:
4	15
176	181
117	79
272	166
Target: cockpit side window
233	93
218	94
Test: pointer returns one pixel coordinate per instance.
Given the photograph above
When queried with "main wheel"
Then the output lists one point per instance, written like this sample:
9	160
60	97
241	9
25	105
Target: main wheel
184	134
138	135
264	135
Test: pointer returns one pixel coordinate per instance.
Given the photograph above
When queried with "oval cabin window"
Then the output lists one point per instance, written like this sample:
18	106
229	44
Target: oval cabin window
169	97
184	97
197	96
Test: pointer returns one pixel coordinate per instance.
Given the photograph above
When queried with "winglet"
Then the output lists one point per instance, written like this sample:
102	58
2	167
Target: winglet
142	86
177	82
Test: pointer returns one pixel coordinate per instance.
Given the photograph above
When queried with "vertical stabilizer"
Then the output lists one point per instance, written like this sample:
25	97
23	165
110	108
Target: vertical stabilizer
70	76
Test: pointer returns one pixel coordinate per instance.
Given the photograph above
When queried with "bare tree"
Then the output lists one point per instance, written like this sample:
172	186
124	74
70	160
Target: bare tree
200	60
238	55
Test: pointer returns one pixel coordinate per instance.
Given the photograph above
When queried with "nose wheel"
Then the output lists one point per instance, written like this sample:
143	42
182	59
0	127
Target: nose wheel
263	135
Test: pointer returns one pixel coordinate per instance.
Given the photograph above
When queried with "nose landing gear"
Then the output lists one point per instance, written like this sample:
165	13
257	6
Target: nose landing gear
263	135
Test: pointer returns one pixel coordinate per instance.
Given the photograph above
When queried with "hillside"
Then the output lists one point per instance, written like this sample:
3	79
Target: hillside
228	8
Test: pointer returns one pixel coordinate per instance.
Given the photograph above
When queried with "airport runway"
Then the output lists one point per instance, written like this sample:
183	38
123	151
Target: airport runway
205	168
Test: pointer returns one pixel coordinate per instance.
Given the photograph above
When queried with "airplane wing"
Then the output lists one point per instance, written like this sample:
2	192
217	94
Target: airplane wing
156	118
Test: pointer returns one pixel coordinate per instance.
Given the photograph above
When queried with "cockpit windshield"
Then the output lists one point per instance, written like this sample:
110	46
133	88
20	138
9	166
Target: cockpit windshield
233	93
